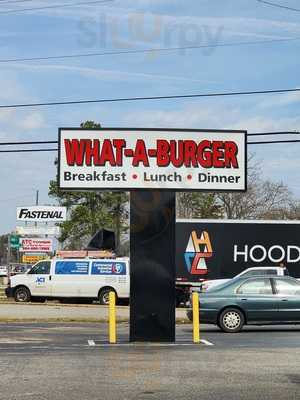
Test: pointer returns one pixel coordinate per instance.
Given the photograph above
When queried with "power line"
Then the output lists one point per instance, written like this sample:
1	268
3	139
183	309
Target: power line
274	133
270	3
18	143
27	143
56	150
147	98
56	142
275	142
55	6
152	50
13	1
27	150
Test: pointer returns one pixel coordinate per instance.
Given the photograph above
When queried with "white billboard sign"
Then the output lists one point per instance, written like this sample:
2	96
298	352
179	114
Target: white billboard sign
35	245
38	230
122	158
42	214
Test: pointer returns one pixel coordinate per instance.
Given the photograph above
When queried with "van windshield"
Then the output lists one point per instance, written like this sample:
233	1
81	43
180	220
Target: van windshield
41	268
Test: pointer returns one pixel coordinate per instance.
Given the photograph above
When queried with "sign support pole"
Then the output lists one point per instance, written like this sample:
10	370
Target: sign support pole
8	258
152	266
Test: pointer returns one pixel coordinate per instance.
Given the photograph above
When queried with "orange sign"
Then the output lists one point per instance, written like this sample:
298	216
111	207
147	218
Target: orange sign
32	259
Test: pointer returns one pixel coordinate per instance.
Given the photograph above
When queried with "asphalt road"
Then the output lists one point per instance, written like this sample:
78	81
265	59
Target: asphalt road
73	361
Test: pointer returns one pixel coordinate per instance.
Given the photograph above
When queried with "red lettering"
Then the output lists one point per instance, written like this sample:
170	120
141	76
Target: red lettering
92	151
119	144
107	154
177	152
231	151
218	154
204	154
163	157
140	154
190	150
75	151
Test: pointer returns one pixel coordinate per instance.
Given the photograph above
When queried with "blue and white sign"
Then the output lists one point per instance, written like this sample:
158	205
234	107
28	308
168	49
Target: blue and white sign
72	268
40	281
108	268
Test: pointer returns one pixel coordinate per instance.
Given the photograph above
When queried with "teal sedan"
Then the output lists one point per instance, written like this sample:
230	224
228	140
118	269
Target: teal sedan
261	300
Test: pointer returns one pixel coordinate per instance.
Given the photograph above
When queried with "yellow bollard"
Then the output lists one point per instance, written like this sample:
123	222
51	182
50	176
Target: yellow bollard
196	324
112	318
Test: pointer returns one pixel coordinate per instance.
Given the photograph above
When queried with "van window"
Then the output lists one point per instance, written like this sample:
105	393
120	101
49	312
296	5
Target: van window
72	267
41	268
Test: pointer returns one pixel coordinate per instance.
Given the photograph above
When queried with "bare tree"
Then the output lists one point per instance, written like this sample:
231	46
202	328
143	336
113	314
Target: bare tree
263	199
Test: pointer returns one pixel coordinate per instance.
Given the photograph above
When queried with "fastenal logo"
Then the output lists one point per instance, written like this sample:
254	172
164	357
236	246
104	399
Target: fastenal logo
197	250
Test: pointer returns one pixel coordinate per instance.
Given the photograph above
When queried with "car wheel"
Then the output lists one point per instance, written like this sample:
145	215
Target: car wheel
104	296
231	320
22	295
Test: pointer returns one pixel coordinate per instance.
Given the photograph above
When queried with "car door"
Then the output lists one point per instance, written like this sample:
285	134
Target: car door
39	279
257	298
288	299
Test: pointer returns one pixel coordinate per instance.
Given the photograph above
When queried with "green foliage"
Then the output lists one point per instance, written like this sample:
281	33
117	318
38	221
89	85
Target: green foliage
198	205
90	211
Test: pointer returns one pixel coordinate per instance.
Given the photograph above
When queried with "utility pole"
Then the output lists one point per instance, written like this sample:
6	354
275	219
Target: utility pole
8	257
36	202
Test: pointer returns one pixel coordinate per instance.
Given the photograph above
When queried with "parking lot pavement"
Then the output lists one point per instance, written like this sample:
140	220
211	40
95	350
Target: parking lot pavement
43	361
30	336
264	337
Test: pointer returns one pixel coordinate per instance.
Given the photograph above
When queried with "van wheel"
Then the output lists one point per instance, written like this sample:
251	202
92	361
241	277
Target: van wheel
22	295
104	296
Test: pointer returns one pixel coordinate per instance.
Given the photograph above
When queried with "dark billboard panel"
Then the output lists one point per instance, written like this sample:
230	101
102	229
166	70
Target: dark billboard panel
211	249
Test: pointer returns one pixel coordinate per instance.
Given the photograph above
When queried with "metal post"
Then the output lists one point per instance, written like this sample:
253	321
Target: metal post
112	318
196	323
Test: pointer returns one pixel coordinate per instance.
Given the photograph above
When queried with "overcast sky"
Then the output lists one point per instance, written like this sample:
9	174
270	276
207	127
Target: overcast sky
145	24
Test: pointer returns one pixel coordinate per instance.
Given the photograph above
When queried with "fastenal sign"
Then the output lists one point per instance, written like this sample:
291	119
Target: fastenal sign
33	245
42	213
123	158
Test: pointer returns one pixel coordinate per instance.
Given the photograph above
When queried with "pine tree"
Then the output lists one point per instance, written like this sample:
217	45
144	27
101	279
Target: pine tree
90	211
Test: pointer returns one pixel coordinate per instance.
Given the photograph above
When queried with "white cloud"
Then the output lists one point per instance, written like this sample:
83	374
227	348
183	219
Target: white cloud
107	74
34	120
281	100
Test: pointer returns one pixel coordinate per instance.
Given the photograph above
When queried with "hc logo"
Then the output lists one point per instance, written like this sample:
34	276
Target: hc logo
197	250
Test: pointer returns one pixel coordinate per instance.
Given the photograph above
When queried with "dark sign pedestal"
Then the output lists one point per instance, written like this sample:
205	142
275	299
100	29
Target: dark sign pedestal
152	266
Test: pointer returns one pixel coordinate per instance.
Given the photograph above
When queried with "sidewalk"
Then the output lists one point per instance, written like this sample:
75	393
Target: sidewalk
66	313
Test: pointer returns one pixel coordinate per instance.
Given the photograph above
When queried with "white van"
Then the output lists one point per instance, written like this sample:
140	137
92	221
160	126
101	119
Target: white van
72	278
